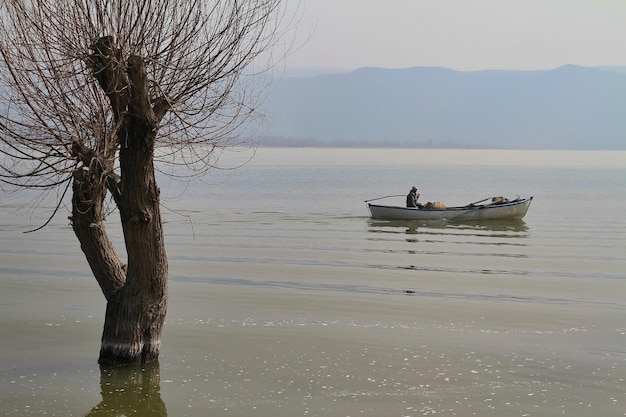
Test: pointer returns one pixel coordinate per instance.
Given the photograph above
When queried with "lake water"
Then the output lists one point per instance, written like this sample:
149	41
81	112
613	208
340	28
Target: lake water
287	300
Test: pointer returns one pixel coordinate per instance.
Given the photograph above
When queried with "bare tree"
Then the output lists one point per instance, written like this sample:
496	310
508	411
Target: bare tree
94	94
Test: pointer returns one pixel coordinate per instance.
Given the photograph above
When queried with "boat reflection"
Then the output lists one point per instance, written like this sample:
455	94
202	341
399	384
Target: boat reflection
133	390
496	228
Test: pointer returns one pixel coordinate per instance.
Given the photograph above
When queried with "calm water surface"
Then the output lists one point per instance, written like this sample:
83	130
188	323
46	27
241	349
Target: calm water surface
287	300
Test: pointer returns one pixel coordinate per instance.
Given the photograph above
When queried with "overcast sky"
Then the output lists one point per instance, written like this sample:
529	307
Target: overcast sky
461	34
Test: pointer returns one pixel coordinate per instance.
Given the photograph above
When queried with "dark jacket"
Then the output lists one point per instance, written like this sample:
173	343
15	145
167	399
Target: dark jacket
411	199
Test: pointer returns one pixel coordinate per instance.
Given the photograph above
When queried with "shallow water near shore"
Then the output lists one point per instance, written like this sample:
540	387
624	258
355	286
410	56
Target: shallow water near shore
286	299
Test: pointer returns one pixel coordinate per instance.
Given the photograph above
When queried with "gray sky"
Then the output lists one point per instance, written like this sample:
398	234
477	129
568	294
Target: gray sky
461	34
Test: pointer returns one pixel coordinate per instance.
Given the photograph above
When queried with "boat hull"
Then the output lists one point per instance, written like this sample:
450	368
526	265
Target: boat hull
513	210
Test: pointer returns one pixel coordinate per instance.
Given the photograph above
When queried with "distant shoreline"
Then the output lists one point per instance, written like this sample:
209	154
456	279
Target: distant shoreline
285	142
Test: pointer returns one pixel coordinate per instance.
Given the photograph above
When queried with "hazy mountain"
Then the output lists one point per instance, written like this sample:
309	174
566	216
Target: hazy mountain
570	107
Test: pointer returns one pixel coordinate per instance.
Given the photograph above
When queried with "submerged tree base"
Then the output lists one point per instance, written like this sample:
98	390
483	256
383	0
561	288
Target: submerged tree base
133	326
125	353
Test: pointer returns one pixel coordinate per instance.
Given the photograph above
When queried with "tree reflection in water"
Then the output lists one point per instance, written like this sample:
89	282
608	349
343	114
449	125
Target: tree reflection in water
133	390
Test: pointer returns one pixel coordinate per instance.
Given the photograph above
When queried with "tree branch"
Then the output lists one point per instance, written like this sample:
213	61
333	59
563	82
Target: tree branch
108	68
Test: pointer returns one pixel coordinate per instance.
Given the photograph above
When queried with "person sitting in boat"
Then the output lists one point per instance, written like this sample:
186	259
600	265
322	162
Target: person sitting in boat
411	198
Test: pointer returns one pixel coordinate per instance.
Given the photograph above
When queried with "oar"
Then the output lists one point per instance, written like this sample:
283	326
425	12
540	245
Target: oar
479	201
387	196
472	209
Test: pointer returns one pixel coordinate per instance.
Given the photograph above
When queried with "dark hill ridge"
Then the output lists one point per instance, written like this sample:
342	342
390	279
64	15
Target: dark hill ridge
570	107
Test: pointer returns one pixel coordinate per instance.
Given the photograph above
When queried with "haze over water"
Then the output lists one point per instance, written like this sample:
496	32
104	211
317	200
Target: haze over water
286	299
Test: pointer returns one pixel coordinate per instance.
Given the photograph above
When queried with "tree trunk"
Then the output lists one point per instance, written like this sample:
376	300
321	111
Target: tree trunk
135	314
136	293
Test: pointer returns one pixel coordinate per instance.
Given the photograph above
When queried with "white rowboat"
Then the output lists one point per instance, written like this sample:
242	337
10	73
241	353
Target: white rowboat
508	210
